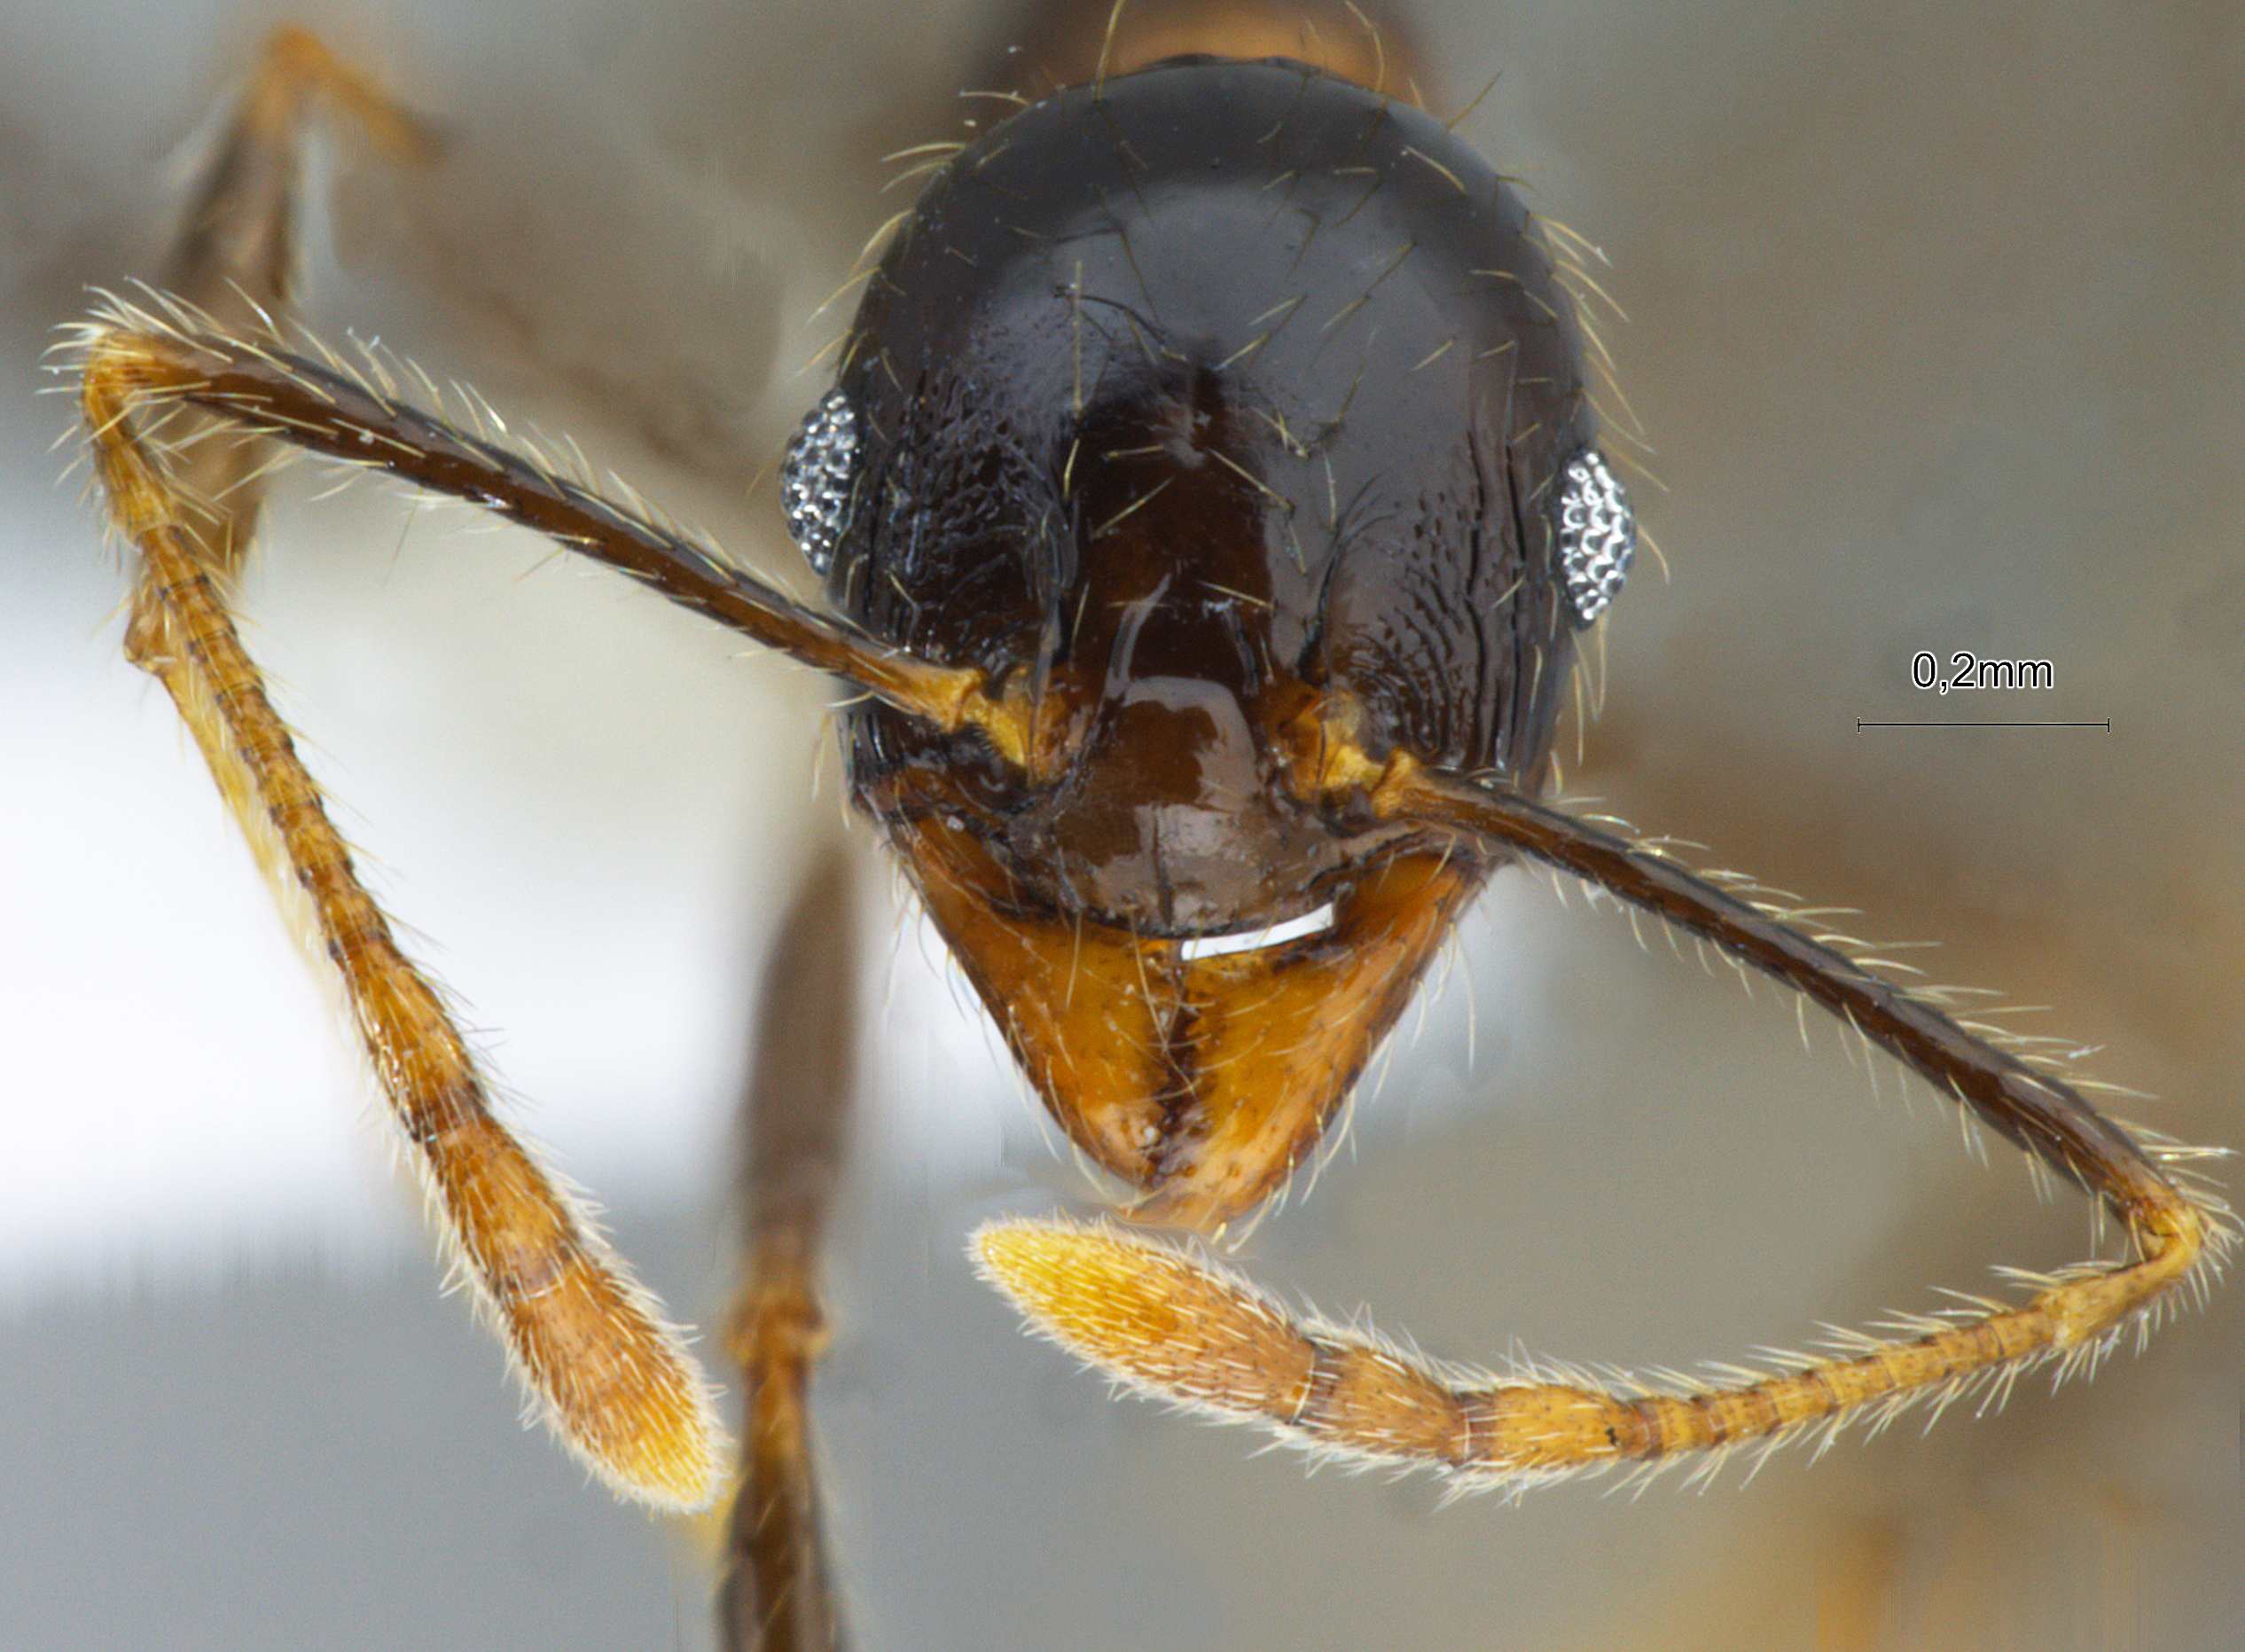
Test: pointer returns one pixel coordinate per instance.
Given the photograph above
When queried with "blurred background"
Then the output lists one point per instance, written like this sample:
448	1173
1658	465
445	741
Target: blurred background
1936	331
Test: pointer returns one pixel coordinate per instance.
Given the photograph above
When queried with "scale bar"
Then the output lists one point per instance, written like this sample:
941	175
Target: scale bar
1862	724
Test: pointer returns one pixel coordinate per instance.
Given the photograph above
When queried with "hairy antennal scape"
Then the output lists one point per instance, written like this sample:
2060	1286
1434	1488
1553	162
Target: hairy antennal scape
1215	515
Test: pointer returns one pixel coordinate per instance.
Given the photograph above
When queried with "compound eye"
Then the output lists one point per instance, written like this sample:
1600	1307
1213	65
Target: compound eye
816	479
1597	534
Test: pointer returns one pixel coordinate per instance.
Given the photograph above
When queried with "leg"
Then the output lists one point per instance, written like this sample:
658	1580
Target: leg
611	1377
236	247
186	410
208	361
774	1594
235	257
1169	1325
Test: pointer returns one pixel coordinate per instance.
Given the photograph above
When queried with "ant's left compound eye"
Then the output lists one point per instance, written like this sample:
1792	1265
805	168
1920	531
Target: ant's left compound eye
816	479
1597	534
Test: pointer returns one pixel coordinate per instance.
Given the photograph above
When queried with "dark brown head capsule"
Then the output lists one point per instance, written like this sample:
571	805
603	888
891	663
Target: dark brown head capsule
1208	409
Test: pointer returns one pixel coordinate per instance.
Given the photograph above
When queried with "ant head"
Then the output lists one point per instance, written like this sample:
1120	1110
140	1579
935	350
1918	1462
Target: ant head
1219	415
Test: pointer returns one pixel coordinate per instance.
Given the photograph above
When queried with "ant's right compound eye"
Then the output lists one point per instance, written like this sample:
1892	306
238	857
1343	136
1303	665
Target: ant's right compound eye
1597	534
816	479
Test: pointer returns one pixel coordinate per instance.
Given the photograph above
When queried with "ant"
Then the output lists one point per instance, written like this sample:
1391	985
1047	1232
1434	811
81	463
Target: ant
1211	508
